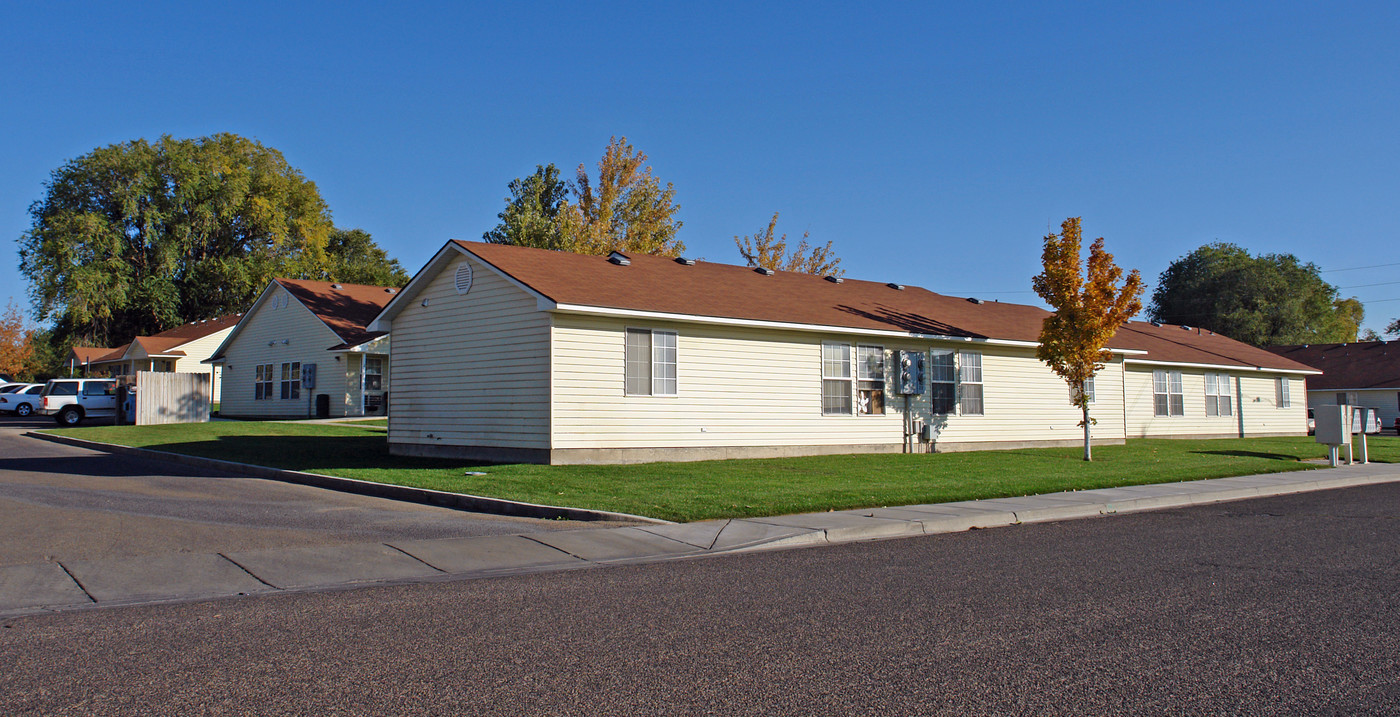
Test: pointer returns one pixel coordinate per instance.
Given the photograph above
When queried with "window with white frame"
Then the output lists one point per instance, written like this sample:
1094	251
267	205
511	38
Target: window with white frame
870	377
1281	399
970	375
291	380
262	382
1089	389
836	379
374	374
1167	399
650	363
943	381
1218	395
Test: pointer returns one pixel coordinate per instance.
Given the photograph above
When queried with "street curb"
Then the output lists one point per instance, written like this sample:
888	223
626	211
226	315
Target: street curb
423	496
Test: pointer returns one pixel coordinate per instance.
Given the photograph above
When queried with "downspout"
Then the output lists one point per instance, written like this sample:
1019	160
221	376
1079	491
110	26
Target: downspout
1239	401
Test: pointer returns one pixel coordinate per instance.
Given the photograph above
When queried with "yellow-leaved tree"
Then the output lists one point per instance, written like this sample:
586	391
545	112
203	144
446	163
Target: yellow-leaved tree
1088	311
769	252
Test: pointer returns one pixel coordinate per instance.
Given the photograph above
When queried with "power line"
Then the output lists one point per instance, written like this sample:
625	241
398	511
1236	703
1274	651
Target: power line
1359	268
1362	286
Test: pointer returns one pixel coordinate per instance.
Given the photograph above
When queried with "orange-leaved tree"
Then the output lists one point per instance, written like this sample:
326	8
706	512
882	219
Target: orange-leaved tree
769	252
1088	311
16	341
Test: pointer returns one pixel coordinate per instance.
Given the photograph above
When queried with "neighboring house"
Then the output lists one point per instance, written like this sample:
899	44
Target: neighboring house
80	358
516	354
182	349
300	332
1366	373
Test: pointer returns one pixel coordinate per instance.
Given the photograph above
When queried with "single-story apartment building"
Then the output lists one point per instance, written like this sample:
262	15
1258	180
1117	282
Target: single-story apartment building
301	339
517	354
1365	373
182	349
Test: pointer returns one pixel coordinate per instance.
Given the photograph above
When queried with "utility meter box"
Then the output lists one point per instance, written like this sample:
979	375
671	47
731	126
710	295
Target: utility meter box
911	372
1363	420
1334	425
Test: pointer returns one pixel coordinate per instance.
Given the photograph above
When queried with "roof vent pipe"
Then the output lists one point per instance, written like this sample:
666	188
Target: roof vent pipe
619	258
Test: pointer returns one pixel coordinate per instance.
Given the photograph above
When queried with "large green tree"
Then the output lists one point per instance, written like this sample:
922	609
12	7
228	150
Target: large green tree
1261	300
623	208
354	258
137	237
531	216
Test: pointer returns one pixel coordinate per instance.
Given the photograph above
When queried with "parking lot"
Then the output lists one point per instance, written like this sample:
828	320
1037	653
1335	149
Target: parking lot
63	503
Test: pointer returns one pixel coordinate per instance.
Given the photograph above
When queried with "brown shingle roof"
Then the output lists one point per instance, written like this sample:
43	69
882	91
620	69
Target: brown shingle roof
88	354
660	284
1367	364
345	308
200	329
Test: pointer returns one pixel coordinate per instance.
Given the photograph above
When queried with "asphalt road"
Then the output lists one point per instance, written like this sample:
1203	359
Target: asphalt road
63	503
1277	606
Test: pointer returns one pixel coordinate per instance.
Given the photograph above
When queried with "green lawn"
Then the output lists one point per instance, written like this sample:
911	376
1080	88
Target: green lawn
738	488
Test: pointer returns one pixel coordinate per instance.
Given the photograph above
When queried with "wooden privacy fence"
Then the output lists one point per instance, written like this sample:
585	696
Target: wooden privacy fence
172	398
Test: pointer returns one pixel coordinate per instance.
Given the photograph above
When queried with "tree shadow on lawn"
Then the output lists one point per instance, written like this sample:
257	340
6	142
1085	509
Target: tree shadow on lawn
312	453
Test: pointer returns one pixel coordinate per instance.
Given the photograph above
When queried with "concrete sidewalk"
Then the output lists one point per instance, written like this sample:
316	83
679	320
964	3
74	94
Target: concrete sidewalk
67	585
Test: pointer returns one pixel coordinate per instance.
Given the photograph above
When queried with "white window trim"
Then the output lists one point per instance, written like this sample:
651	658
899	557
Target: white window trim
964	383
883	381
1282	389
653	362
292	369
266	383
1220	399
849	378
951	383
1170	380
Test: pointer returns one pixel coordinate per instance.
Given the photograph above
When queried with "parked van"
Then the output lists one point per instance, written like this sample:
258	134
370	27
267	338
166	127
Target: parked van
70	400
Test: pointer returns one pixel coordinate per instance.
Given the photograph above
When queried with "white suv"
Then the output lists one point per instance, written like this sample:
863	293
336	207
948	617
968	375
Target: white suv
70	400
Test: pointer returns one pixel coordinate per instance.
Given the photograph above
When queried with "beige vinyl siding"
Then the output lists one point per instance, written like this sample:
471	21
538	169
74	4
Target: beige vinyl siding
199	350
471	370
1386	401
753	387
1253	406
307	340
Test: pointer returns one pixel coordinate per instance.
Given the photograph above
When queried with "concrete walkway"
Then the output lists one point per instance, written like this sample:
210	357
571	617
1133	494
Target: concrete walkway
67	585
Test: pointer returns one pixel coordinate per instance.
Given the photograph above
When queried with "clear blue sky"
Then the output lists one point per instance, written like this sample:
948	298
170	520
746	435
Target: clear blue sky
933	143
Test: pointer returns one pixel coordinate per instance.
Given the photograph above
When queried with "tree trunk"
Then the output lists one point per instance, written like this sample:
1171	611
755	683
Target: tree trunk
1088	456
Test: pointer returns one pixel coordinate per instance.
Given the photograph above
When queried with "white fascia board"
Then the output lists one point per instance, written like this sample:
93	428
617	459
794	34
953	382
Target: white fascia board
218	355
1222	367
817	328
385	320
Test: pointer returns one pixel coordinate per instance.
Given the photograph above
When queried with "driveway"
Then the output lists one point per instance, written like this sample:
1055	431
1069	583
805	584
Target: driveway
63	503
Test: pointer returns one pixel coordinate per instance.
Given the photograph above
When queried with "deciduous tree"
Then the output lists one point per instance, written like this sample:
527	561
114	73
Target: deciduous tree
763	249
138	237
531	216
1088	311
354	258
624	208
16	342
1261	300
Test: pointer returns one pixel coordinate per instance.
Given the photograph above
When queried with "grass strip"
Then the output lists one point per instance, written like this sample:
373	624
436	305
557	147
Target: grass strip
733	488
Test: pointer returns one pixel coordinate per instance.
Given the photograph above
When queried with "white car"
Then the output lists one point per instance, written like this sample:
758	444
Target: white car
70	400
23	401
10	387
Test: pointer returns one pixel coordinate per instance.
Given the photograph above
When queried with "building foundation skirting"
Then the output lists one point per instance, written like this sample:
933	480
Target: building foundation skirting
615	456
1231	434
484	454
964	446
